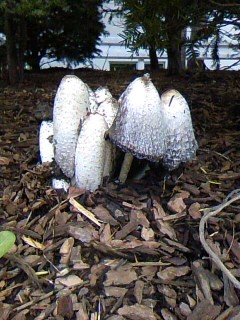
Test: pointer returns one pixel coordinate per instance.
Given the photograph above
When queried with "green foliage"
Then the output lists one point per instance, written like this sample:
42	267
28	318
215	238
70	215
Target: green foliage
159	23
68	33
27	8
7	239
62	30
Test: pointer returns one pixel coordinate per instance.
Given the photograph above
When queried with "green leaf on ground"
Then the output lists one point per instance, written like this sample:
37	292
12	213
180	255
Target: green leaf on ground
7	239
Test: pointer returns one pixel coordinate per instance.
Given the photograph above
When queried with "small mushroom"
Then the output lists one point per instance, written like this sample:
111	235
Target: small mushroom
60	184
181	145
101	94
45	141
92	100
70	107
90	152
139	126
108	107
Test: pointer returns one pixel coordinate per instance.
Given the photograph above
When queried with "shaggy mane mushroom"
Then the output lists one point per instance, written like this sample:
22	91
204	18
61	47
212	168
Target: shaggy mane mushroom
139	126
181	145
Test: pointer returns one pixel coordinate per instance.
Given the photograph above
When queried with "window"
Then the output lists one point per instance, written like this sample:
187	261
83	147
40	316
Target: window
161	65
116	66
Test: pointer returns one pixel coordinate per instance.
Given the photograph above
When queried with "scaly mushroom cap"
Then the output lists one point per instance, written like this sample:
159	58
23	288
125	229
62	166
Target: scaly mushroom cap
45	141
180	140
70	107
92	100
60	184
90	152
109	108
139	127
101	94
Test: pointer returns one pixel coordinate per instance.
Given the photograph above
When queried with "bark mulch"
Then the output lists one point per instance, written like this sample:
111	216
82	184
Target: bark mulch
130	251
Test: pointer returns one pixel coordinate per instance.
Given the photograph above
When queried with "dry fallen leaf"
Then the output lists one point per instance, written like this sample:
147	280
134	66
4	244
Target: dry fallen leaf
33	243
120	276
169	294
137	312
69	281
65	307
204	310
176	205
116	292
194	211
170	273
65	250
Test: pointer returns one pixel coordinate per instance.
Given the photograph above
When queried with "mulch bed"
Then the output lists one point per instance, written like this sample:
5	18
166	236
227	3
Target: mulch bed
128	251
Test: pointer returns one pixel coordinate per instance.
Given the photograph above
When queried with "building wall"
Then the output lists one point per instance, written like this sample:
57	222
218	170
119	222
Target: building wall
114	54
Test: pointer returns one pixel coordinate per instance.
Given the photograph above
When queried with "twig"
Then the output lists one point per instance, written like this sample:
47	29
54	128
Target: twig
149	264
34	301
210	212
84	211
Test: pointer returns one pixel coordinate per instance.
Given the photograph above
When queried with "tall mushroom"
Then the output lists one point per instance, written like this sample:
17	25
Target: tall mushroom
139	127
90	152
108	107
70	107
45	141
181	145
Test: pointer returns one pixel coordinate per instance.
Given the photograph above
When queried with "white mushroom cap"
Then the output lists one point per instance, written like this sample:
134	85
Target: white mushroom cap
108	108
70	107
60	184
180	140
139	126
90	153
101	94
45	141
92	100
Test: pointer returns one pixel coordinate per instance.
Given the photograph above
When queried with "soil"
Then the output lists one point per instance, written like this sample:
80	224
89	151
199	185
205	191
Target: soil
129	251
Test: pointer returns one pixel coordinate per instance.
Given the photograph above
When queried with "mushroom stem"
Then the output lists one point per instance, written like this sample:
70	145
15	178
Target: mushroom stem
126	166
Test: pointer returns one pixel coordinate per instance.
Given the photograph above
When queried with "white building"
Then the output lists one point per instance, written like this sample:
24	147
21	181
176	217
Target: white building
114	54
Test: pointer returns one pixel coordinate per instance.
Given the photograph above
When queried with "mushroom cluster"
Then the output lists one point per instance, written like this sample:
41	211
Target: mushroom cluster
87	126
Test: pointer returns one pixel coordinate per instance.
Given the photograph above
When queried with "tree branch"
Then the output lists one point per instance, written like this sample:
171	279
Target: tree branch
225	4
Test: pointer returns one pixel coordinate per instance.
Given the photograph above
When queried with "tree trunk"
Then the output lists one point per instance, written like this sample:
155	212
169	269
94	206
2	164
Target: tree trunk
153	58
183	48
22	41
33	56
12	61
174	57
174	26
